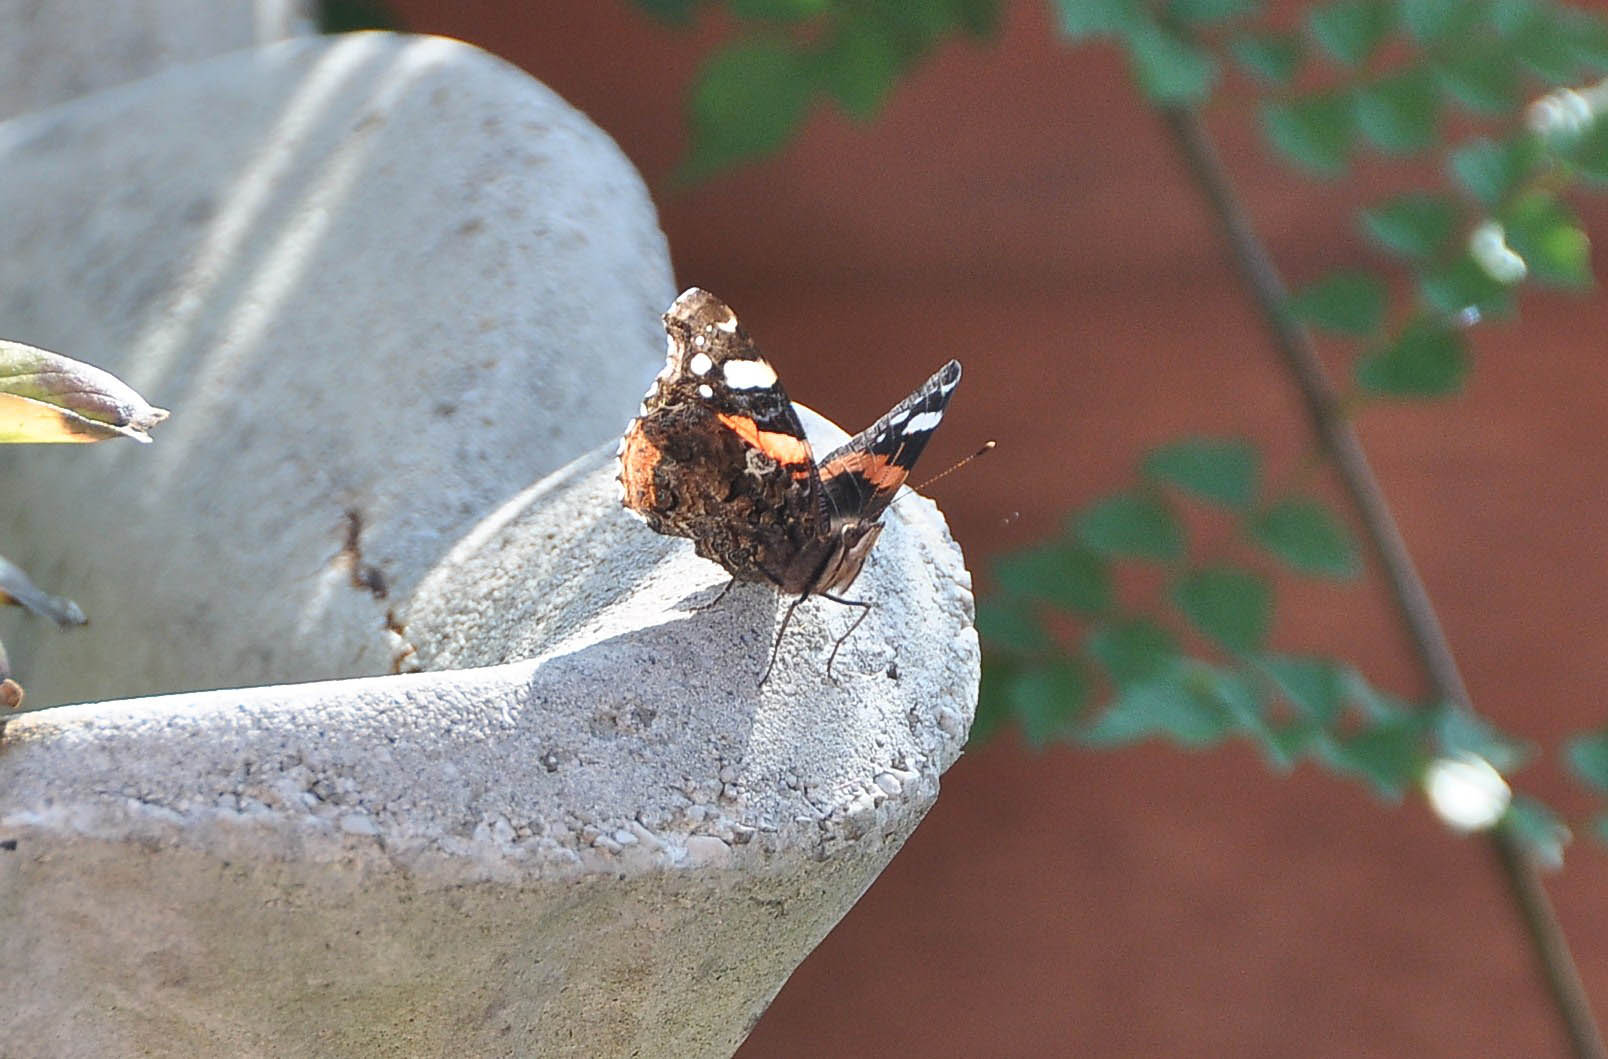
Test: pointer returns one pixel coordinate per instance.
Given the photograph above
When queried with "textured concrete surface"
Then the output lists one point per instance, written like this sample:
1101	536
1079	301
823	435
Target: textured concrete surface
384	283
56	50
622	847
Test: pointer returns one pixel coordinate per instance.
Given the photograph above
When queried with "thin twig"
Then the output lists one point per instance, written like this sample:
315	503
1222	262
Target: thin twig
1341	444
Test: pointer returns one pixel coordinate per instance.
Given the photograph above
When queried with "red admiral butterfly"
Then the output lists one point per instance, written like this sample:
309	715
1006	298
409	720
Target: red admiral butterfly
717	455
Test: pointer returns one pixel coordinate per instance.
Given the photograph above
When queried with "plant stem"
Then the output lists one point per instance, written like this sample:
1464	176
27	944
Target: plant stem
1340	443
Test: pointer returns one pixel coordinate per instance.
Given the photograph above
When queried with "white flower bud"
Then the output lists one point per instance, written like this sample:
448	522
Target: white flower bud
1466	792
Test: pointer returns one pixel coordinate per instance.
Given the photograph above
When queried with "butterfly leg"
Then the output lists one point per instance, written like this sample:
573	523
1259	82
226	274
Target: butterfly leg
791	607
718	597
865	609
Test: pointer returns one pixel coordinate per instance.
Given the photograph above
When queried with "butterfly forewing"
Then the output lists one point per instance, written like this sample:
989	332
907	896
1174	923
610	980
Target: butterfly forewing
861	478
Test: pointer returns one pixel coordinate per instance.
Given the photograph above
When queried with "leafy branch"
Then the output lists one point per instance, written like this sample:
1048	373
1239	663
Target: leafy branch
1066	658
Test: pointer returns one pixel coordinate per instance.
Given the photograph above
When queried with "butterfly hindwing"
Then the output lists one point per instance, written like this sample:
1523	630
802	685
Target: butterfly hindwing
860	478
717	453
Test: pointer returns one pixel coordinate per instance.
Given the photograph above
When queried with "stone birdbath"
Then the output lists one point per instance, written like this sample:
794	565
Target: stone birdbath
373	747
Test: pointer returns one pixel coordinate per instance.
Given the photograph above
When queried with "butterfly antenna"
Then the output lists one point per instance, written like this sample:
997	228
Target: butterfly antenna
957	465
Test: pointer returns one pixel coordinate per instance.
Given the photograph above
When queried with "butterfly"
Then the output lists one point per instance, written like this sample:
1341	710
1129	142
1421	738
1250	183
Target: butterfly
717	455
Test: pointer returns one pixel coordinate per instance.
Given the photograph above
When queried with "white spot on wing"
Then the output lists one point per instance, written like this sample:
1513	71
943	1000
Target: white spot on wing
749	374
700	364
895	418
728	325
921	424
706	391
700	341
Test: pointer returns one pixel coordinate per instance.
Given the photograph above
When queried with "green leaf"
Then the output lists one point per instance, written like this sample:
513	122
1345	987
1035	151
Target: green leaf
1009	625
1462	285
993	705
1168	68
1132	650
1433	20
1313	686
1172	705
1046	699
1350	30
1283	744
1389	755
1588	39
1589	152
1348	303
919	24
1133	525
1220	471
1314	132
1588	759
1491	171
857	66
1426	360
1064	575
1271	57
46	398
1548	236
1538	829
1241	697
1306	536
1398	113
351	16
1416	224
1459	730
978	18
1208	11
778	10
1544	44
1373	705
673	12
1482	79
1511	17
747	102
1233	608
1238	694
1077	19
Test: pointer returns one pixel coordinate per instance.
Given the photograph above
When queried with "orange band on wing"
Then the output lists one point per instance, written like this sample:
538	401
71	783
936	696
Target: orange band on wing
785	449
638	459
884	475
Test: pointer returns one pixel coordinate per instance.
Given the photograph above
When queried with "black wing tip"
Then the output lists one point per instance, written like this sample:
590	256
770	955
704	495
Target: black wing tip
949	374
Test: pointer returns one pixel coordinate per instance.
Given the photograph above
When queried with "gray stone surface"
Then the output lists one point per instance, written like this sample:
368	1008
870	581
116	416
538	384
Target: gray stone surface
620	848
55	50
383	275
397	278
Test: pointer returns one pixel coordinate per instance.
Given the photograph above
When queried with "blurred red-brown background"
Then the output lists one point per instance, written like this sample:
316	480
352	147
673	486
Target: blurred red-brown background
1016	206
